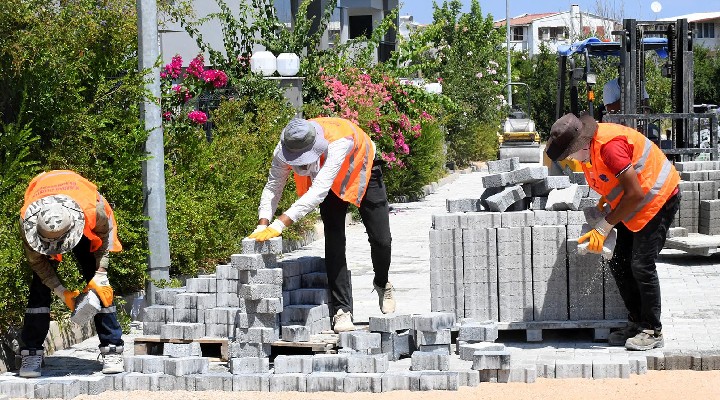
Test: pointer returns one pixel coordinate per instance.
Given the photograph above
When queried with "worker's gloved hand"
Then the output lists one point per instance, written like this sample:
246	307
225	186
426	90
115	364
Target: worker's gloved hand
274	230
67	296
597	236
101	286
257	230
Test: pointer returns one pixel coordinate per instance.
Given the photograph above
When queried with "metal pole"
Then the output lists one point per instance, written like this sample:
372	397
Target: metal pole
153	172
507	27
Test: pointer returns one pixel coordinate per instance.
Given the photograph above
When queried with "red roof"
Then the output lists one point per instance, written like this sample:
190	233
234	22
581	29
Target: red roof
524	19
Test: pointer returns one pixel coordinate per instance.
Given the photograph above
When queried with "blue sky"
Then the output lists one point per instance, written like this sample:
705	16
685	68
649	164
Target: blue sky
421	10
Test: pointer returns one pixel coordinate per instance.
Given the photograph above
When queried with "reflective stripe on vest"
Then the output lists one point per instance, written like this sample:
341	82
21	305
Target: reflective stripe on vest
37	310
354	175
83	192
107	310
656	174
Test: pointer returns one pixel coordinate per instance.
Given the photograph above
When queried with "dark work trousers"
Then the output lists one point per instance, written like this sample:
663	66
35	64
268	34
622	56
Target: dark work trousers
37	315
633	265
375	216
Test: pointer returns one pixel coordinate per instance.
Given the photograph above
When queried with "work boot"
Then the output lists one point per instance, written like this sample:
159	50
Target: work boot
31	366
385	298
342	322
113	362
618	338
647	339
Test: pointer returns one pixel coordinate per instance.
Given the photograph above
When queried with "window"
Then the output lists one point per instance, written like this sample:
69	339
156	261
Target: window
703	30
518	33
552	33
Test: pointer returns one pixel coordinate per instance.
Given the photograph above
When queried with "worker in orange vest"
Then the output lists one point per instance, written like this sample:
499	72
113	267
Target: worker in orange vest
639	183
333	163
64	212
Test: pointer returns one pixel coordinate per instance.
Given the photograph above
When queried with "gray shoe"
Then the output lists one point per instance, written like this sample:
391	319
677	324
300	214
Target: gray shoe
386	299
647	339
618	338
342	322
113	362
31	364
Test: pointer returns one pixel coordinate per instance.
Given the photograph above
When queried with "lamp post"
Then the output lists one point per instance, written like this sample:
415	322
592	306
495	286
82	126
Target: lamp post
507	28
153	171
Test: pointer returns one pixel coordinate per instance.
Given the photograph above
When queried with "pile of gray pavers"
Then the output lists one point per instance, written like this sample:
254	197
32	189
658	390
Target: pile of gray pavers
696	228
511	254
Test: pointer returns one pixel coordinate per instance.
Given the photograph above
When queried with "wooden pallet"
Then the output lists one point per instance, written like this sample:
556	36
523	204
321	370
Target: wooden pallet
533	329
326	343
216	349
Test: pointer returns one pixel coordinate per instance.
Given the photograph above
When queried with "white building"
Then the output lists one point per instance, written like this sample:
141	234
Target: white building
351	19
705	27
528	31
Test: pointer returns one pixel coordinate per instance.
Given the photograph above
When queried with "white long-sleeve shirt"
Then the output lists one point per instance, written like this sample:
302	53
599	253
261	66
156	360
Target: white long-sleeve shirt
322	181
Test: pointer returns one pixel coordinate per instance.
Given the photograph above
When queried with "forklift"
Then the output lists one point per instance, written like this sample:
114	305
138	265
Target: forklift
518	137
672	41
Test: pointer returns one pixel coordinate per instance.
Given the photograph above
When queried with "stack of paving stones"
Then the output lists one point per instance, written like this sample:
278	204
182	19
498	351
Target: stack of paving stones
519	239
700	181
305	296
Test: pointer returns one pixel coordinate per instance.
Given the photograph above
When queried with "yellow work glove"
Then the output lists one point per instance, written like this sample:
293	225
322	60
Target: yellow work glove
101	286
67	296
274	230
257	230
597	236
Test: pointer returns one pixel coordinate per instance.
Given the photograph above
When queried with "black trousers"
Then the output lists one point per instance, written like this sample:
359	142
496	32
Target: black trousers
633	265
37	315
375	215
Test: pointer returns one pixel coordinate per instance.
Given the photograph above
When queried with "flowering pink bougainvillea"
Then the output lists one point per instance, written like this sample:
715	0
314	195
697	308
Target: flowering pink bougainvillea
381	106
197	117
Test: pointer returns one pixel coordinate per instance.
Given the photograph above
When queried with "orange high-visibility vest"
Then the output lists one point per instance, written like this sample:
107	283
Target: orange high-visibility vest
657	175
352	180
79	189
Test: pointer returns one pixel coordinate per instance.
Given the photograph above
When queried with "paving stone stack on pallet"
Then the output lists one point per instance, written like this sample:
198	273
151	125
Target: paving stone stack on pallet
699	190
305	296
492	258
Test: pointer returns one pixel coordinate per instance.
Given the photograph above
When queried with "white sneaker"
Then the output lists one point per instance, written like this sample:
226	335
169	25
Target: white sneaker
113	362
342	322
31	366
386	298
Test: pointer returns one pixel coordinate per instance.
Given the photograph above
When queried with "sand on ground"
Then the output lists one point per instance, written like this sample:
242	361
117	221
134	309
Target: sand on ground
655	385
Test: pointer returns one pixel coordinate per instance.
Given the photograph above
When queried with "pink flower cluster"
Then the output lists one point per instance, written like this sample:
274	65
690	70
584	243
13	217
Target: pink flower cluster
214	76
197	66
197	117
183	93
172	70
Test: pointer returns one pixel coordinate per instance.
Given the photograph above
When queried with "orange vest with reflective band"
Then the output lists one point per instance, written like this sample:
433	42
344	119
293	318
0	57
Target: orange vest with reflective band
352	180
657	175
79	189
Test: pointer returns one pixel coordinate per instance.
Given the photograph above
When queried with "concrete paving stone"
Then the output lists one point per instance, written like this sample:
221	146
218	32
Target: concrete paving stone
466	350
18	387
226	286
308	296
226	272
711	360
295	333
185	315
367	364
433	321
253	261
496	180
544	217
501	201
158	313
441	336
213	381
251	382
564	199
272	246
516	219
421	361
87	305
257	335
249	365
152	328
573	368
435	348
316	280
605	368
369	383
491	360
677	360
329	363
202	285
397	344
284	364
60	387
473	331
547	184
255	320
520	373
446	221
259	291
288	383
186	366
442	380
149	364
503	165
271	276
325	382
360	340
228	300
136	381
400	380
463	205
390	322
169	383
238	349
638	364
96	384
528	175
